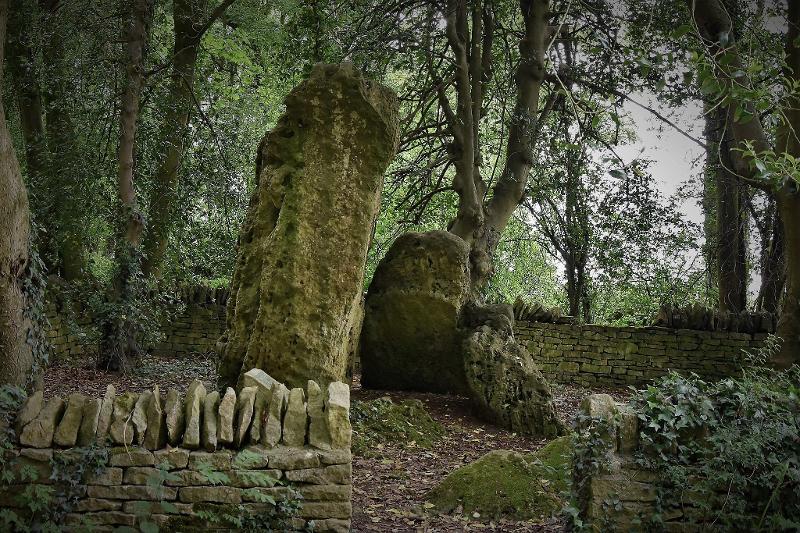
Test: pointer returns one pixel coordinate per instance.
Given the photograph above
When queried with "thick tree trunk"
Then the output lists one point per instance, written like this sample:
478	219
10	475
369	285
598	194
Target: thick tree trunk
789	322
773	262
16	357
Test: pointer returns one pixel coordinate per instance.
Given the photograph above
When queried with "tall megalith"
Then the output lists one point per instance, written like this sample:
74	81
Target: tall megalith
297	285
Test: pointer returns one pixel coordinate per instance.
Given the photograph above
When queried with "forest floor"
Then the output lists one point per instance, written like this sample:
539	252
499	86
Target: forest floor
389	487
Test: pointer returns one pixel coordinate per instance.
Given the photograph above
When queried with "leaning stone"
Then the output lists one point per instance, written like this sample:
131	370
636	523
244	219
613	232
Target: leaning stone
227	411
39	432
67	432
173	409
260	410
271	434
156	436
208	435
122	430
258	378
30	409
337	412
318	435
244	414
139	417
172	457
295	420
89	421
106	412
195	396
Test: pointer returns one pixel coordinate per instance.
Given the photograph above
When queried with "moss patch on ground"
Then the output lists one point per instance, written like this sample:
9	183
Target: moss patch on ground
508	484
381	421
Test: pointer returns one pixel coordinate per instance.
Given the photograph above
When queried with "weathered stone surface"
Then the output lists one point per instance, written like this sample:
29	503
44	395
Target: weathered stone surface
37	454
122	456
149	508
99	519
208	435
599	406
260	410
66	433
219	460
285	458
332	525
210	494
172	457
253	456
156	435
272	429
106	476
194	406
141	475
295	419
106	412
131	492
505	386
411	338
89	421
175	417
318	435
339	493
334	474
227	412
30	409
93	504
335	457
139	417
39	432
255	377
312	510
297	285
337	413
244	414
122	430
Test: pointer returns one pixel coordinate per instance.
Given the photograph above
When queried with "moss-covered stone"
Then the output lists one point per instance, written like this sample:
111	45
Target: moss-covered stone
382	421
508	484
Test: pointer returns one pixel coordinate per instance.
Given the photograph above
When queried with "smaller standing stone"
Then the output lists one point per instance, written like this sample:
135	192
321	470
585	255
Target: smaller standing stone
30	410
139	417
318	435
227	410
255	377
271	434
156	436
106	412
91	416
209	433
195	396
122	430
39	432
295	420
259	413
338	414
173	408
67	432
244	414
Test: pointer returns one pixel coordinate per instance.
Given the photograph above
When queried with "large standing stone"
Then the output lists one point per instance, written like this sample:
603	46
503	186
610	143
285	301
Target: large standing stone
210	409
122	430
38	433
156	436
91	416
295	420
67	432
244	414
337	412
106	411
411	337
30	409
227	412
139	417
173	409
271	434
318	435
195	397
297	284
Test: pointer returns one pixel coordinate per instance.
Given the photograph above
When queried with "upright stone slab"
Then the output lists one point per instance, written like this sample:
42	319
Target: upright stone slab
271	435
244	414
227	412
318	435
195	397
122	430
66	433
296	288
106	412
337	412
30	409
156	435
255	377
260	409
208	435
91	416
139	417
295	419
411	338
175	417
38	433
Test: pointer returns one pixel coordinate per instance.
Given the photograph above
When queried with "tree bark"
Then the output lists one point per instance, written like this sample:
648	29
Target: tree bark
773	263
16	357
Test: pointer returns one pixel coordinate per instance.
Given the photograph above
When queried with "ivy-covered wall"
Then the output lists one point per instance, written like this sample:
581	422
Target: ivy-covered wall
618	356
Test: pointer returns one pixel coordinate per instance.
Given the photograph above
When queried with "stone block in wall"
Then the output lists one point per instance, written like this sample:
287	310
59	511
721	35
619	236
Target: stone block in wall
210	494
131	492
335	474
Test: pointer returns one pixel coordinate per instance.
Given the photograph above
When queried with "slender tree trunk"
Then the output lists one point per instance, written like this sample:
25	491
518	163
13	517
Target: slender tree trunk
773	264
789	322
16	358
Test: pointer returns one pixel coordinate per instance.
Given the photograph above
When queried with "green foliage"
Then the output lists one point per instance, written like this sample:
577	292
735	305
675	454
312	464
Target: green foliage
381	421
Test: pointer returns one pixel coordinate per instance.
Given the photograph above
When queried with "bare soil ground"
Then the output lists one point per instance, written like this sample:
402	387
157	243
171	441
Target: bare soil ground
388	489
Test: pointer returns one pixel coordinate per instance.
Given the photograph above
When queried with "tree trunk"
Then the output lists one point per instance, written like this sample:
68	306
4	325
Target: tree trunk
773	263
16	357
789	322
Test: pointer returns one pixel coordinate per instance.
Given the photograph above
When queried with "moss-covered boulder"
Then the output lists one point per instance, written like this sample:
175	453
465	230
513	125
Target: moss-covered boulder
382	421
411	338
296	290
507	484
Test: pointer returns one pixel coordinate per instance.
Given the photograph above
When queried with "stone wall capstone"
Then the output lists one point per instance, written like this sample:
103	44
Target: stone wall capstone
266	435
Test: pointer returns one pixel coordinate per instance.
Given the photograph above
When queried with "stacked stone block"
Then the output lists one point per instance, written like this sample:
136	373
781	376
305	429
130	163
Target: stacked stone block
261	431
618	356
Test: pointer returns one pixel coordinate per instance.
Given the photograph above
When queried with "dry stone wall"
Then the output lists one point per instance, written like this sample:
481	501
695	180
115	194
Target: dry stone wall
299	437
618	356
